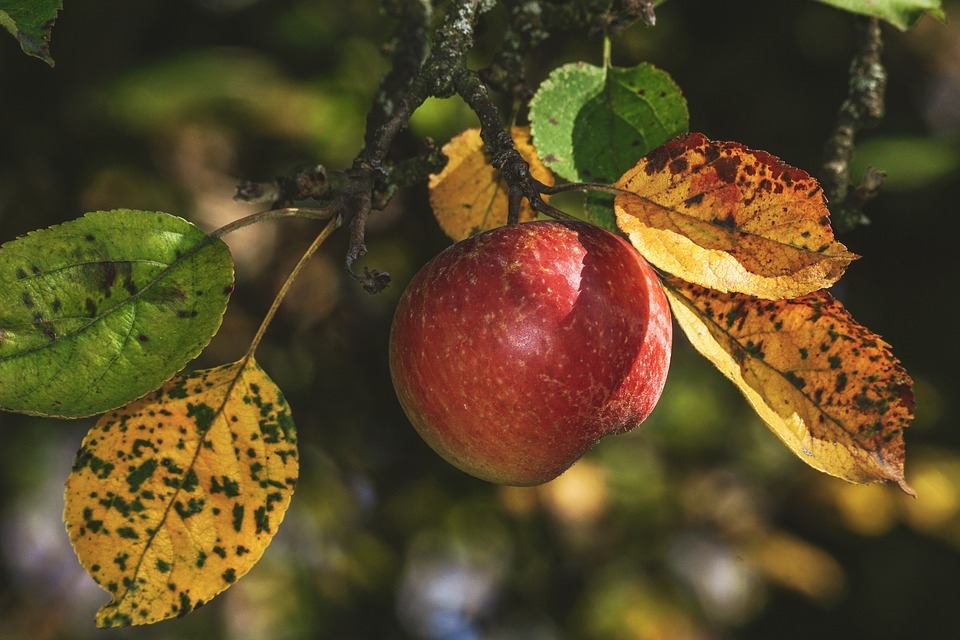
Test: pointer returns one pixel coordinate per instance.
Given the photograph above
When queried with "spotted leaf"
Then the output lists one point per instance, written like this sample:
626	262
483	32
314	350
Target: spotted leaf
469	196
722	216
100	310
175	496
828	387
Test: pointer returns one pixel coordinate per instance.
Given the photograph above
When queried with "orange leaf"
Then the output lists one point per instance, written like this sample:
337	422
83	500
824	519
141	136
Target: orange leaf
720	215
469	196
827	386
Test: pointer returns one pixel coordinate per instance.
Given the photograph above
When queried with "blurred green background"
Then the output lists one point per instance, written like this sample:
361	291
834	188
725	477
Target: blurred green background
697	526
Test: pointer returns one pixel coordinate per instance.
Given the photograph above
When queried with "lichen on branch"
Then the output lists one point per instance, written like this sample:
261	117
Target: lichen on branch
862	108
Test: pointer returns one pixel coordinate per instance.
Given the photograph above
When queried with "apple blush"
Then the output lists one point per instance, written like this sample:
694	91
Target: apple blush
514	351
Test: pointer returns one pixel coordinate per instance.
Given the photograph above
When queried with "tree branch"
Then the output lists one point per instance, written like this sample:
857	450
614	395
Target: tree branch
863	107
428	63
402	92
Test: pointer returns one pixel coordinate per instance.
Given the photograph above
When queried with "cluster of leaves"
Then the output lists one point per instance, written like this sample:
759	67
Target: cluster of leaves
746	249
176	495
181	484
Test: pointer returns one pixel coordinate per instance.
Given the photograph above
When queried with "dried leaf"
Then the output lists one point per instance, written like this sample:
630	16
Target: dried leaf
469	196
827	386
175	496
722	216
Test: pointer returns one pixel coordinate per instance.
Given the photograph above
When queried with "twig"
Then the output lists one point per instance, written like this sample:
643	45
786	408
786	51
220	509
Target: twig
301	263
303	183
274	214
863	107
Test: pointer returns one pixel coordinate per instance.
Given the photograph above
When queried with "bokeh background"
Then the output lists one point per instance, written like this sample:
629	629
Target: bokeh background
697	526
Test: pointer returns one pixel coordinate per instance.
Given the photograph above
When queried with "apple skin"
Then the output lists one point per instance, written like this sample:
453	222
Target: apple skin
514	351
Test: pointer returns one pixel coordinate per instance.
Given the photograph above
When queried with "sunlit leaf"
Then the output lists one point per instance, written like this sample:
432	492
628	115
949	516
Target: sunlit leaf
723	216
100	310
592	123
469	196
827	386
31	22
175	496
903	14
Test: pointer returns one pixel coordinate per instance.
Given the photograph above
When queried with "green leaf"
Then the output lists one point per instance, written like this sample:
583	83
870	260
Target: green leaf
31	22
100	310
902	14
174	497
598	210
591	124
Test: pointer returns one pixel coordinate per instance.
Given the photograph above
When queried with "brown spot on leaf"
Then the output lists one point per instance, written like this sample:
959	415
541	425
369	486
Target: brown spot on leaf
726	169
680	165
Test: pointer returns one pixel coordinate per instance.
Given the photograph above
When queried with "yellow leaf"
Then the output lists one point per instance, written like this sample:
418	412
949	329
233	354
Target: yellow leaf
175	496
722	216
469	196
827	386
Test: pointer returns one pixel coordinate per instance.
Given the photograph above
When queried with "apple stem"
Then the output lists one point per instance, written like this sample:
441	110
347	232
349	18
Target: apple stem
540	205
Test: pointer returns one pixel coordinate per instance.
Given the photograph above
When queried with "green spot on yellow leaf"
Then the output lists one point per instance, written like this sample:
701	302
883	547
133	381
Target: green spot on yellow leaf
140	474
237	517
203	415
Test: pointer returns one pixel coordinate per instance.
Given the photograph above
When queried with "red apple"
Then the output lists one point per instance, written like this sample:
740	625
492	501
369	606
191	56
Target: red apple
516	350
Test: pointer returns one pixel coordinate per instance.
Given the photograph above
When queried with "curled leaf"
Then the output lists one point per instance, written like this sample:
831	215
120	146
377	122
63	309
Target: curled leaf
100	310
174	497
725	217
828	387
469	196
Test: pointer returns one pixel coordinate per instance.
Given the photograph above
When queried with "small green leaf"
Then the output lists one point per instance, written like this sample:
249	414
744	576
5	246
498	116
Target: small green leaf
591	124
31	22
902	14
100	310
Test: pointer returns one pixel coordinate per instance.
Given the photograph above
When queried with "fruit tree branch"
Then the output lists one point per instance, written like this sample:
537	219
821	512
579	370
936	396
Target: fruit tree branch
428	56
863	107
